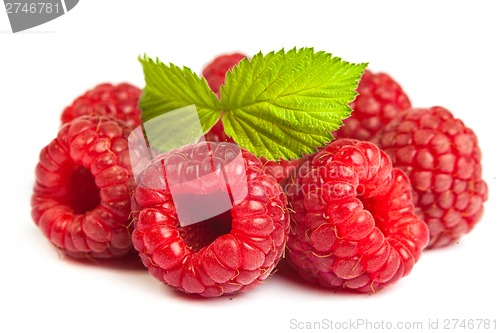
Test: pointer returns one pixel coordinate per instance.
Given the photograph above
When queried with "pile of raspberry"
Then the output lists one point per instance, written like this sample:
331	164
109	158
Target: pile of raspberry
355	216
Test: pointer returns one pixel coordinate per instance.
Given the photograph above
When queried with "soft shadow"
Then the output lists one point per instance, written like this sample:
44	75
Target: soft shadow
288	274
195	298
129	262
285	272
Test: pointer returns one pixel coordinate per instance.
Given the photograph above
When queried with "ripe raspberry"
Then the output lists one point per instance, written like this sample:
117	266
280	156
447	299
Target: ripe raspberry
380	99
215	72
231	252
353	225
119	101
81	198
442	158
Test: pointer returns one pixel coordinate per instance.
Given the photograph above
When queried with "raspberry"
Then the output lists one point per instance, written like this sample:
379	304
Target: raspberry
380	100
119	101
215	72
353	225
231	252
442	158
81	198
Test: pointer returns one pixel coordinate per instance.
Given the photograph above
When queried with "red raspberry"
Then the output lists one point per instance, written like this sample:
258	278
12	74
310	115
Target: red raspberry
229	253
215	72
354	225
81	198
119	101
379	101
442	158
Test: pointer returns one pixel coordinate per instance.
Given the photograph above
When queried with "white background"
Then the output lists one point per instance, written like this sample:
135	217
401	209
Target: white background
443	53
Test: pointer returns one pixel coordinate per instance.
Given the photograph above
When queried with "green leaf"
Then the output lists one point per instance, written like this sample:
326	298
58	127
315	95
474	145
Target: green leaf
286	104
169	87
